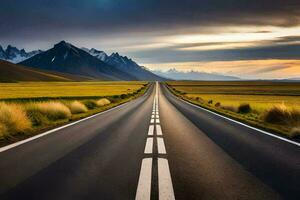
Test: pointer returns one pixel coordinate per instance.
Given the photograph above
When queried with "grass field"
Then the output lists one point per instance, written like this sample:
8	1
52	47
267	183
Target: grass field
29	90
27	108
262	97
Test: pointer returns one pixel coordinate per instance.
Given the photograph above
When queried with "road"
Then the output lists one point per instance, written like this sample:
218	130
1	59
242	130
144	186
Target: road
154	147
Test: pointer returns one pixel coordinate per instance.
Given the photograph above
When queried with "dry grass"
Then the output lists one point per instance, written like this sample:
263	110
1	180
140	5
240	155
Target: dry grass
52	110
103	102
295	132
77	107
3	130
13	119
280	114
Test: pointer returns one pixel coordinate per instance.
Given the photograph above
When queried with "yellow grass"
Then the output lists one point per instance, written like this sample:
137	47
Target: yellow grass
102	102
295	131
13	119
3	130
257	102
77	107
67	89
272	105
52	110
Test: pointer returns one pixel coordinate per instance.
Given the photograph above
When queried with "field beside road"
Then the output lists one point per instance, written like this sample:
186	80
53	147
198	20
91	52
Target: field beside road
270	105
33	90
27	108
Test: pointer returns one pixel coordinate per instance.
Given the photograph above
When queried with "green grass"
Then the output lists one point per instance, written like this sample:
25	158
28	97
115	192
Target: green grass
30	114
228	98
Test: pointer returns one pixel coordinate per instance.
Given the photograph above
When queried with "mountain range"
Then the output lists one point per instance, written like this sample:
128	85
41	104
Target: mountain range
67	58
194	75
15	55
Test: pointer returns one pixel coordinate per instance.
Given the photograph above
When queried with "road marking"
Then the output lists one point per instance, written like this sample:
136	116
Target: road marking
157	116
158	130
240	123
152	116
143	191
152	121
157	121
149	146
161	146
150	130
165	187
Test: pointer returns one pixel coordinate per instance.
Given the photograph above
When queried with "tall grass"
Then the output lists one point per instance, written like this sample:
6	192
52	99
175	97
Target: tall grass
102	102
295	132
77	107
51	110
3	130
13	119
280	114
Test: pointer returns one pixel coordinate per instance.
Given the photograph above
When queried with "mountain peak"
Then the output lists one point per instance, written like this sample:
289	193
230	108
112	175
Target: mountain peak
115	54
62	44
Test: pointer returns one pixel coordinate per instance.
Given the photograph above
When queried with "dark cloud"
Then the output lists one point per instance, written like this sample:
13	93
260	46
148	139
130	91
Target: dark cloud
43	18
40	23
165	55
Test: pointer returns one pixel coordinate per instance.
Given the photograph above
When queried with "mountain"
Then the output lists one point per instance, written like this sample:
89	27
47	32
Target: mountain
13	54
10	72
194	75
125	64
66	58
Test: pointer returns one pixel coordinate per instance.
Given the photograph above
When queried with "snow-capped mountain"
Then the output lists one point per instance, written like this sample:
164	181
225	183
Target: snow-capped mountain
194	75
101	55
67	58
15	55
125	64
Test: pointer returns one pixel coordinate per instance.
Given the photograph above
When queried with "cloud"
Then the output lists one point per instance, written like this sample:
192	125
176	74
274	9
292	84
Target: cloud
43	18
270	69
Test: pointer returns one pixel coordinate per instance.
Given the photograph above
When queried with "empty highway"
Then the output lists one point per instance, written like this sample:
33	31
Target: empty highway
154	147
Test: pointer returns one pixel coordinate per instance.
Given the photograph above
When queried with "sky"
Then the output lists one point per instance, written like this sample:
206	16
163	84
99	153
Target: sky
246	38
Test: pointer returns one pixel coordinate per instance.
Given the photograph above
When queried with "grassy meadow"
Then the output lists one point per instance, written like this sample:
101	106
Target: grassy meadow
270	105
27	108
30	90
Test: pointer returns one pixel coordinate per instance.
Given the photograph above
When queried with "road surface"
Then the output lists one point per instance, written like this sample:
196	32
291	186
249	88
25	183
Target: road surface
154	147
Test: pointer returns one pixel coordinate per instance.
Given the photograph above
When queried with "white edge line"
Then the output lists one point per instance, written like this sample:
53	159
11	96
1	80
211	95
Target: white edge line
10	146
240	123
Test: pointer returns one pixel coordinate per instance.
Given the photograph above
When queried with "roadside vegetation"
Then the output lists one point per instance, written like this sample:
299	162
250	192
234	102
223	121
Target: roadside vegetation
273	106
23	117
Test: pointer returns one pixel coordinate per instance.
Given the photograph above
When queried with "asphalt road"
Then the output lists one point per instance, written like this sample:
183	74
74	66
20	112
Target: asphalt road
155	147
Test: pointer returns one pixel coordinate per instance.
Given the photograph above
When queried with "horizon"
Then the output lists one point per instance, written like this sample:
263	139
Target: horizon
251	40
